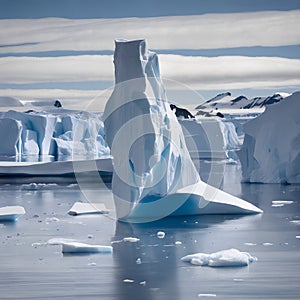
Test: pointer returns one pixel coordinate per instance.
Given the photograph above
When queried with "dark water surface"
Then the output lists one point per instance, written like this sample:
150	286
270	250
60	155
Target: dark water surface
150	268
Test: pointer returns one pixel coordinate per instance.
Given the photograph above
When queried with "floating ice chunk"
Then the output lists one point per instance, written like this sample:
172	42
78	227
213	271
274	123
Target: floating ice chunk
138	261
160	234
128	280
131	239
77	247
296	222
11	213
280	203
178	243
268	244
297	236
207	295
224	258
80	208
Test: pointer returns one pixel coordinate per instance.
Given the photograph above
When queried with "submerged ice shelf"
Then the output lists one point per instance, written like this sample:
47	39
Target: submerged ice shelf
153	174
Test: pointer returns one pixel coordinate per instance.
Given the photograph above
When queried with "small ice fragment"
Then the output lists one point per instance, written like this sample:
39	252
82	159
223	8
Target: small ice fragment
77	247
37	244
178	243
250	244
296	222
92	264
138	261
238	279
224	258
80	208
207	295
128	280
160	234
142	282
11	213
52	219
297	236
131	239
267	244
280	203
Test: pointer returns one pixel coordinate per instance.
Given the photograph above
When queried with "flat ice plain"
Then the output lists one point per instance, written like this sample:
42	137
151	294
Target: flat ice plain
151	267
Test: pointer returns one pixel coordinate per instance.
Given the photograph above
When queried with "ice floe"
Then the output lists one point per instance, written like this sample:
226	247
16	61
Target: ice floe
224	258
80	208
77	247
11	213
73	246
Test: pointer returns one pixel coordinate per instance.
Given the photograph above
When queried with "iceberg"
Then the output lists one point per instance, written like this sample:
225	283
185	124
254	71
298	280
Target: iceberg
153	173
271	148
11	213
209	137
224	258
54	132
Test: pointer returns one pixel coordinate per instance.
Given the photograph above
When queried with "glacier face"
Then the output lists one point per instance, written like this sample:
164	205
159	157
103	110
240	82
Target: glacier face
59	133
154	175
271	149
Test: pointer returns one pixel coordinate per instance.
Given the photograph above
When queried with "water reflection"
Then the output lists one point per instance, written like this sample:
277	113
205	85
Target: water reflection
152	267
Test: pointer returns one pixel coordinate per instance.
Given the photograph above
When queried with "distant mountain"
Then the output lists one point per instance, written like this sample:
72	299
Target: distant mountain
226	100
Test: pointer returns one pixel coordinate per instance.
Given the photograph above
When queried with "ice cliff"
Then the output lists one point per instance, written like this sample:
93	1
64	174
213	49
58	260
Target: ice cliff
57	132
209	137
154	175
271	149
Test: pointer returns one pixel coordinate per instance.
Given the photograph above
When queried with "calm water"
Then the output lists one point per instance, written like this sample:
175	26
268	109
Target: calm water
42	272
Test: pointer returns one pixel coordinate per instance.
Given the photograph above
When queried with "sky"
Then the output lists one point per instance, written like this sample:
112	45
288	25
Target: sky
64	48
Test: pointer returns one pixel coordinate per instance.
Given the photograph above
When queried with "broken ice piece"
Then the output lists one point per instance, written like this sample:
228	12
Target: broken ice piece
131	239
160	234
76	247
80	208
11	213
224	258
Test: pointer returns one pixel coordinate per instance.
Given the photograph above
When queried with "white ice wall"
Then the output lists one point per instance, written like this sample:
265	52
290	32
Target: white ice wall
271	149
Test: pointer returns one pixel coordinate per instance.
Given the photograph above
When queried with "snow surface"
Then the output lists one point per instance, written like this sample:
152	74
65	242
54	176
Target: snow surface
154	175
56	132
271	148
224	258
80	208
11	213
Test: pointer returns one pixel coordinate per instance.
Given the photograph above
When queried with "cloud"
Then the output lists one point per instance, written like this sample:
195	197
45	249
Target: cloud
199	73
208	31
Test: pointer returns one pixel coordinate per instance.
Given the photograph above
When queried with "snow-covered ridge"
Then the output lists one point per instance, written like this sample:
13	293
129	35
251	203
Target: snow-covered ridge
227	101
